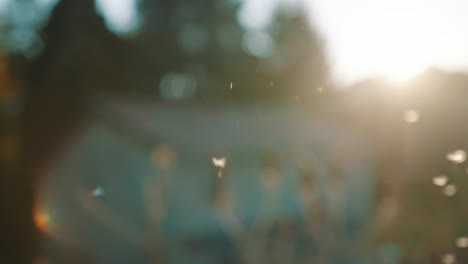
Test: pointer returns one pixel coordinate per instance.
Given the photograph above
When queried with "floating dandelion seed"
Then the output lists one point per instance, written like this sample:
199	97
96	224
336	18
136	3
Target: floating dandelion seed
450	190
457	156
98	192
462	242
448	259
230	86
411	116
441	180
219	163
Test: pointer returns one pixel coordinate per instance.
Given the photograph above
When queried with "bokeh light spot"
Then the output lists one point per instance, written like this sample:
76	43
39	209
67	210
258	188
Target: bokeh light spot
98	192
177	86
448	259
457	156
258	43
450	190
120	16
411	116
192	38
462	242
441	180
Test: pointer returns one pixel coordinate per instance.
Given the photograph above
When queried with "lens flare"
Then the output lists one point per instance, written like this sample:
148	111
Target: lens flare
42	220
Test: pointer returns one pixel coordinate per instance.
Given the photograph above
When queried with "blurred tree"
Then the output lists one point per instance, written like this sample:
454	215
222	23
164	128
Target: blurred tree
184	50
9	155
199	40
297	66
78	58
227	60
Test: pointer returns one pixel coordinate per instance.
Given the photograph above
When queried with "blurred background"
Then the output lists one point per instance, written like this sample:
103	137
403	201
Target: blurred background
233	131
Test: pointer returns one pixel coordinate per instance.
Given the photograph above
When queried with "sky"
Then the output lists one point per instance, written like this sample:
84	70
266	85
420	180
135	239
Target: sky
397	38
393	38
121	15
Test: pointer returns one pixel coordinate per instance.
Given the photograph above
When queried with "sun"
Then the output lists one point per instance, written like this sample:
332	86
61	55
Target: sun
402	71
396	62
396	48
399	61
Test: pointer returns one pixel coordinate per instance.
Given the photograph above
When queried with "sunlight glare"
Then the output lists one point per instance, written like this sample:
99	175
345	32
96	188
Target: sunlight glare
394	44
402	71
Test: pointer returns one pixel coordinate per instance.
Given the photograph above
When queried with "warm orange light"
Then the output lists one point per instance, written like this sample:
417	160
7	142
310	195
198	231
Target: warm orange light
41	219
